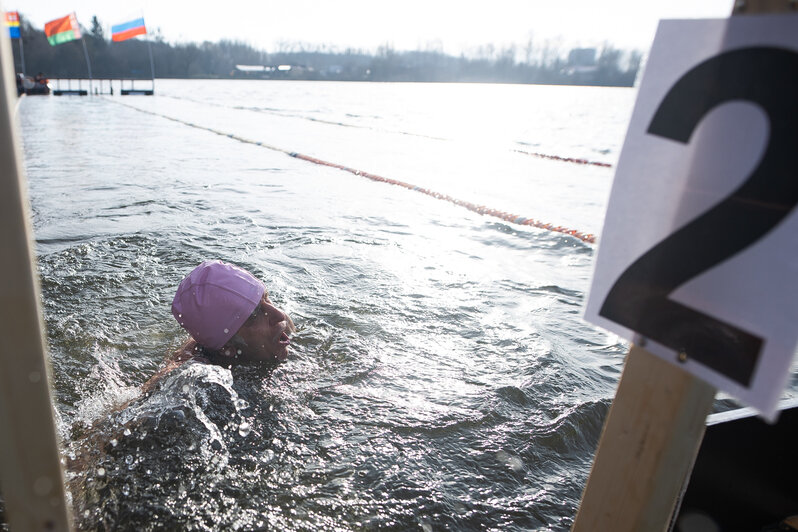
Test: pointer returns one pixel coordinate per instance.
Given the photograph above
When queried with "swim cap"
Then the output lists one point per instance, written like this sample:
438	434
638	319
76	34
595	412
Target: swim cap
215	300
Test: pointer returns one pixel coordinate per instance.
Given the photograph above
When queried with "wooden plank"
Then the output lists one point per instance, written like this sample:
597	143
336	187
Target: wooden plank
753	7
654	428
651	435
31	480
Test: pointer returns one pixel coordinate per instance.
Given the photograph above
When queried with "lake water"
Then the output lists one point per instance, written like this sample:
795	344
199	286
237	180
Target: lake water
441	377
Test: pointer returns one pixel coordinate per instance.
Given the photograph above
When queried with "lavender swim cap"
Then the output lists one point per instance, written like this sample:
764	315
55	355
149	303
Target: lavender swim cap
214	301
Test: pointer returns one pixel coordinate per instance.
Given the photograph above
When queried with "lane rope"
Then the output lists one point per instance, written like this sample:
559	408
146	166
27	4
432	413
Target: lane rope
575	160
479	209
564	159
283	114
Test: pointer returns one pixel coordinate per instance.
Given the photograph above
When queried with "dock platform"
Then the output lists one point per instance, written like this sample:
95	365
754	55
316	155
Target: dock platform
105	86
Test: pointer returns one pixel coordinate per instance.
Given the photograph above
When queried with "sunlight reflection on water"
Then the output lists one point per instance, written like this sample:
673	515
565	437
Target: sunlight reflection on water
441	375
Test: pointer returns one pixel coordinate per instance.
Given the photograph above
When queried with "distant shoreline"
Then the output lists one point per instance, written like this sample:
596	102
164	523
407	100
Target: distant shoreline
544	64
239	78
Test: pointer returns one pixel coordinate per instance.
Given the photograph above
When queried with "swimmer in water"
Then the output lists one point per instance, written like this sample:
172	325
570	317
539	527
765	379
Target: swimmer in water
231	320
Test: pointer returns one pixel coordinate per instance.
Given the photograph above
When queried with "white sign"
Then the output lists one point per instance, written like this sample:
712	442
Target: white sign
698	261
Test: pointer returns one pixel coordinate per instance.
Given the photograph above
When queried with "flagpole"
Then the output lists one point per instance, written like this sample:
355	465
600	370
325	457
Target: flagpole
30	467
88	64
21	51
152	65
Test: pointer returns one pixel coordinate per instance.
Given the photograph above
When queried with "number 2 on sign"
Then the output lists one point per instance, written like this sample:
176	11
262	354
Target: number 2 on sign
767	77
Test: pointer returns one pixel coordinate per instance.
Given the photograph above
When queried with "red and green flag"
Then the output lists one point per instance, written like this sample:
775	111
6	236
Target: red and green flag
62	29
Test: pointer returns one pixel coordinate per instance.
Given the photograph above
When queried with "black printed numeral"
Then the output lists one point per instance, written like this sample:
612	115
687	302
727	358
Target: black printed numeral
638	300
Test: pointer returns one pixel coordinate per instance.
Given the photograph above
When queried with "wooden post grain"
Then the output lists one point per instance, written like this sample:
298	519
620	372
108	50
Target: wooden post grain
753	7
650	438
31	481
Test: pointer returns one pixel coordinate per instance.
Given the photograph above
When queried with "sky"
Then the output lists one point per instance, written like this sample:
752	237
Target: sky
445	25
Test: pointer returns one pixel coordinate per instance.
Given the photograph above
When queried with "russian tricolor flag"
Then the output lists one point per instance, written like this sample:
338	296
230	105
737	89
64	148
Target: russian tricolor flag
128	30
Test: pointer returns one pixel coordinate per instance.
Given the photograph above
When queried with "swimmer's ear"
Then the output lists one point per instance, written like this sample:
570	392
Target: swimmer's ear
228	351
233	347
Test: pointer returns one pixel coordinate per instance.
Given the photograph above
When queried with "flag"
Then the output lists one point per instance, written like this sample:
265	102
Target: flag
62	30
12	22
128	30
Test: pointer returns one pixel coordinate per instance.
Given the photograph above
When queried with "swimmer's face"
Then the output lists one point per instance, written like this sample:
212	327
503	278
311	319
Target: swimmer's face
264	336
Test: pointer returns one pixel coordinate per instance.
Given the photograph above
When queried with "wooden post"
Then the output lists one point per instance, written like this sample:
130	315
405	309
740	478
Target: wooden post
654	428
650	439
31	481
753	7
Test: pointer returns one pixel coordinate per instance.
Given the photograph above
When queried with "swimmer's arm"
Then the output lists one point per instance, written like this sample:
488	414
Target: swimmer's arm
184	353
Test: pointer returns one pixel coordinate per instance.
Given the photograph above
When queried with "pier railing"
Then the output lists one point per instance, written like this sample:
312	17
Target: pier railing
110	86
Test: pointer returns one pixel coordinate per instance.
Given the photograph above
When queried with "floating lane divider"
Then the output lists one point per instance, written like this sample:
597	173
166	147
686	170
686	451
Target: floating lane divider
564	159
574	160
301	117
480	209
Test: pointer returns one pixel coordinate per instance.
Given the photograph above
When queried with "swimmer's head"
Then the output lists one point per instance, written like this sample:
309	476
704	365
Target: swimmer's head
227	310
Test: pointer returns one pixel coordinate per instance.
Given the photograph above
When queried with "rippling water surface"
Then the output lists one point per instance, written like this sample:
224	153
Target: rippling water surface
441	377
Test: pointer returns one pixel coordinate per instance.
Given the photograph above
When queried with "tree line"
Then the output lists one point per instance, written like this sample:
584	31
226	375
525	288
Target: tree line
546	64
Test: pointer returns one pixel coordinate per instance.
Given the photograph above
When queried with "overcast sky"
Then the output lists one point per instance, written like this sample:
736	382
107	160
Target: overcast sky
451	26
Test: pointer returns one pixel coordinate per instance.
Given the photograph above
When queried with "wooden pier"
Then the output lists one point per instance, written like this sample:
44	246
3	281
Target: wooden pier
106	86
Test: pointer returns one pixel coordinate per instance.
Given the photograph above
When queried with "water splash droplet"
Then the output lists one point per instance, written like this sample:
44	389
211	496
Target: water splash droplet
241	404
100	472
244	429
126	432
113	442
129	459
226	331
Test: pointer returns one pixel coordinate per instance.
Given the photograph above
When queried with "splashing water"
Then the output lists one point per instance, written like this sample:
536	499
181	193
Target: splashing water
441	377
